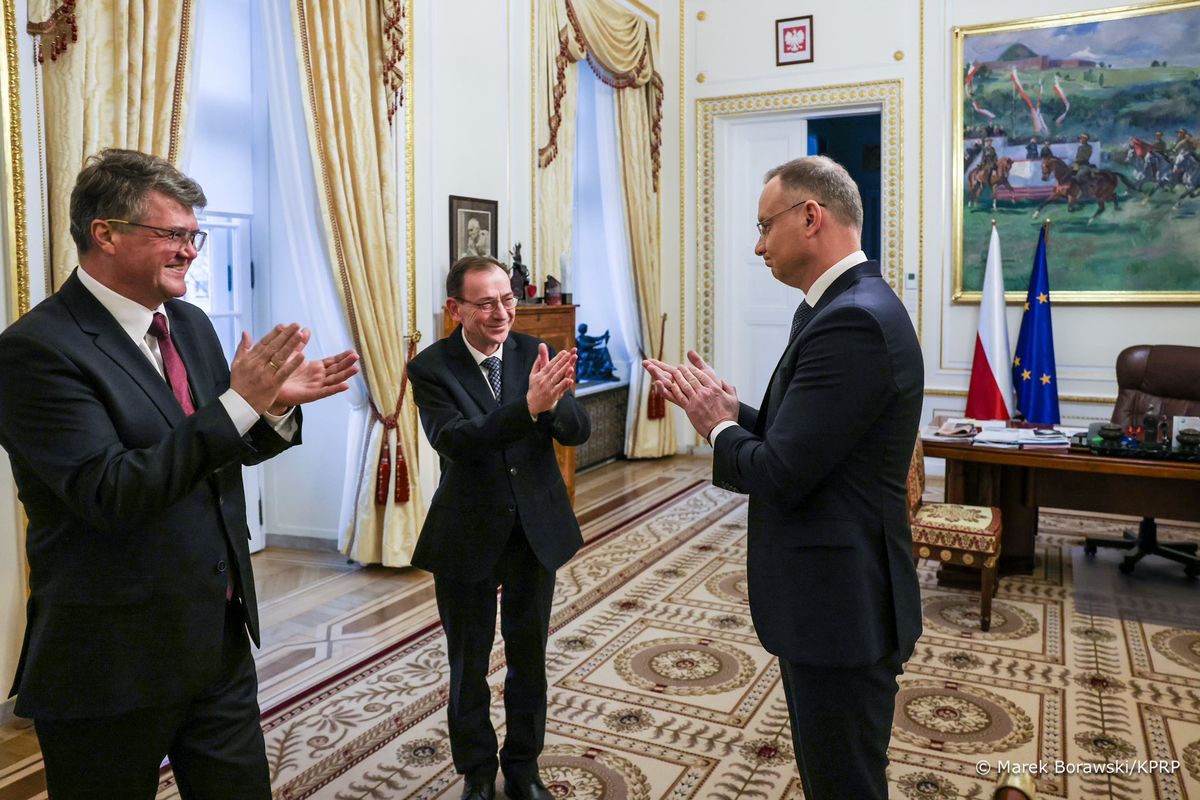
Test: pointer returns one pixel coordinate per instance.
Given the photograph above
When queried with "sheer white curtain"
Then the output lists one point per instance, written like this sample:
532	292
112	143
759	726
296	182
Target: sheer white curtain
600	247
298	252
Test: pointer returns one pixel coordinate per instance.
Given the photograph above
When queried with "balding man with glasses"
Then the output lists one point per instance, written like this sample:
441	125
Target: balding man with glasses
127	432
824	458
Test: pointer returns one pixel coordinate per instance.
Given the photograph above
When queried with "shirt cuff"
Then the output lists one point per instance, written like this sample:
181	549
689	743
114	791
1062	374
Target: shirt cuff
712	436
243	416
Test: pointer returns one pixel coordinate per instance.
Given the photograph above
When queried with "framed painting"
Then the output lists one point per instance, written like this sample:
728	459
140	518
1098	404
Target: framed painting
793	40
473	227
1092	121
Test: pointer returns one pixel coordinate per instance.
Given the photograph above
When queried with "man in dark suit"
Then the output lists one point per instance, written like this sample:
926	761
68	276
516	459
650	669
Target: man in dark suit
127	433
825	457
492	403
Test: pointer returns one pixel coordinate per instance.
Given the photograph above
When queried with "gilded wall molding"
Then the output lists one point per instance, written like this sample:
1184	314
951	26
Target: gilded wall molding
16	248
887	95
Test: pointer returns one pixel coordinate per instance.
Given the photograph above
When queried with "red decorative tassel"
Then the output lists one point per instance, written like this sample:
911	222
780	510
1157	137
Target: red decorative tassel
401	474
656	406
384	472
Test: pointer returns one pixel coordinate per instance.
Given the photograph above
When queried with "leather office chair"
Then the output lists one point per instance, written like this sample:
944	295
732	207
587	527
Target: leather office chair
954	534
1167	376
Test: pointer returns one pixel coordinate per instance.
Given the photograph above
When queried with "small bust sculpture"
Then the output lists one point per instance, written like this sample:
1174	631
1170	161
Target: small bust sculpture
552	292
520	274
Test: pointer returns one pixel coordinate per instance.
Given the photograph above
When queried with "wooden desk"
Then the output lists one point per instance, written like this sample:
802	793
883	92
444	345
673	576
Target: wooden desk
555	325
1018	482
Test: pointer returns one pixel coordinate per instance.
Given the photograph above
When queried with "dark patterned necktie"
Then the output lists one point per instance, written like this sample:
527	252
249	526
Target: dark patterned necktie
172	363
804	313
492	365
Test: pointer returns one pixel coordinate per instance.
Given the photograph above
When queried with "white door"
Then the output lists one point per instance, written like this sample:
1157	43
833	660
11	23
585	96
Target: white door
753	310
220	282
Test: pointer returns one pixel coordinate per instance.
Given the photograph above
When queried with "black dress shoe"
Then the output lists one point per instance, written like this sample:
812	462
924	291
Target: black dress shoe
479	790
527	790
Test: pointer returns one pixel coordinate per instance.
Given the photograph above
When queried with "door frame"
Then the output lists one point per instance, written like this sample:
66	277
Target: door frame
882	97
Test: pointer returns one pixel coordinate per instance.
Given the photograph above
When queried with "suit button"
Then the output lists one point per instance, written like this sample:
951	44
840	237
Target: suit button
221	565
512	508
512	470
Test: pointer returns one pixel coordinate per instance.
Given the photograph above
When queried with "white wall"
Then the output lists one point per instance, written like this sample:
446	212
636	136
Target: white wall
734	49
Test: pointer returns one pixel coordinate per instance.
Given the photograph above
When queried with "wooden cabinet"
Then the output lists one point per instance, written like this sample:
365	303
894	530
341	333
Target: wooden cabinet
556	325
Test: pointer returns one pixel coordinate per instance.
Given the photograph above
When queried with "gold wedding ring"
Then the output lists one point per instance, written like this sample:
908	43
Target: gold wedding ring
273	365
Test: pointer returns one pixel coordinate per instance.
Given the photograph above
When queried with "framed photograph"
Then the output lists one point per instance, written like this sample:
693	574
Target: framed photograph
793	40
473	227
1088	120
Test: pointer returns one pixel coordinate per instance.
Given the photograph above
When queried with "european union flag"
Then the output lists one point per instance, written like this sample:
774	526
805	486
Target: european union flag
1034	378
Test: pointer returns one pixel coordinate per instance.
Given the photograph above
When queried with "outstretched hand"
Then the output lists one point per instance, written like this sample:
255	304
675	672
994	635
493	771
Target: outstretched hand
314	380
273	375
550	378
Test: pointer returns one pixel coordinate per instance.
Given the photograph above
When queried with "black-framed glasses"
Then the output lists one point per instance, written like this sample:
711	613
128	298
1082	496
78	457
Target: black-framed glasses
177	236
764	227
488	306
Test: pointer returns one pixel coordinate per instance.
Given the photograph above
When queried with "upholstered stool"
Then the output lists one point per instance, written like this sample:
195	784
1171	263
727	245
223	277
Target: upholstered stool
955	534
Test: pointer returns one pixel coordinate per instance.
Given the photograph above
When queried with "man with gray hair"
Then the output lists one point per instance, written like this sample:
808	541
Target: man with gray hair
824	458
127	433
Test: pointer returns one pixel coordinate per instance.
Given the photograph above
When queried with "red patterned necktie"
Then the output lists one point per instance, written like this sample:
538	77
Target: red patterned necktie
172	363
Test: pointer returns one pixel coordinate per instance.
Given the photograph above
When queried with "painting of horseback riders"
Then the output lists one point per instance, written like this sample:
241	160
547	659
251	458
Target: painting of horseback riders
1092	121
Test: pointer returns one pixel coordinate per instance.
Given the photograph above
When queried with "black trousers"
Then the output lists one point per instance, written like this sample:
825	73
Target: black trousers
841	725
214	740
468	612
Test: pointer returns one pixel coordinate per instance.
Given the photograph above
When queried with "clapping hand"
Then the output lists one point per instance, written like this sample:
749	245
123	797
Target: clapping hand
696	388
273	375
550	378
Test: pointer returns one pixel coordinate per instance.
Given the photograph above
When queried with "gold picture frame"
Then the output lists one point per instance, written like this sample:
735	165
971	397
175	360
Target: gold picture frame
1016	80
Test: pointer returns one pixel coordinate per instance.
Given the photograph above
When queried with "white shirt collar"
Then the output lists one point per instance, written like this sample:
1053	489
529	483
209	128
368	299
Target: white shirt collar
826	278
475	354
133	317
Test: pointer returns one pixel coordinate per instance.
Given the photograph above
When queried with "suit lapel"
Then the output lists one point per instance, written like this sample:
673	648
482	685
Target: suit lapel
781	377
466	371
110	339
516	370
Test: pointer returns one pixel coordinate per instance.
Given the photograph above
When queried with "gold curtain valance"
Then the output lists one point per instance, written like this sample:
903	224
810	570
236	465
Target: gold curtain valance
619	47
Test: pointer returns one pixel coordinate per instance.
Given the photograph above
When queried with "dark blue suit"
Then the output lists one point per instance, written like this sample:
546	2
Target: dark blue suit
833	590
136	518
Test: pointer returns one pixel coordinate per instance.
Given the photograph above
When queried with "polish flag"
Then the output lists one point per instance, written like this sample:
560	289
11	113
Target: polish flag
990	393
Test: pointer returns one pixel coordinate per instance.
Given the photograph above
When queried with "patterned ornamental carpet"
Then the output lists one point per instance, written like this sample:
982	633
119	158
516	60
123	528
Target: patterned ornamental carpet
659	688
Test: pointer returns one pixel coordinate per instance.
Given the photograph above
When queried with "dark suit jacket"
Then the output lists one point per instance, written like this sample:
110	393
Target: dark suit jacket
825	462
498	465
134	509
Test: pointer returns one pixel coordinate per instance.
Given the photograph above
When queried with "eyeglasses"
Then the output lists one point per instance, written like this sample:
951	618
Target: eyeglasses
764	227
177	236
488	306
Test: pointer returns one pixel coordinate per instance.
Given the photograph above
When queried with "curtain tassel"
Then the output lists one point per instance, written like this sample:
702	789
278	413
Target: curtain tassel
383	473
401	475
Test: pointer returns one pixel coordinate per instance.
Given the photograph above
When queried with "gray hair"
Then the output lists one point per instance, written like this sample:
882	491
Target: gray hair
114	184
458	272
826	181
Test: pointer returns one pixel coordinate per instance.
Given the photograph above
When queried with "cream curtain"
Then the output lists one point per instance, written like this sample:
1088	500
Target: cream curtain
621	49
346	51
122	83
558	92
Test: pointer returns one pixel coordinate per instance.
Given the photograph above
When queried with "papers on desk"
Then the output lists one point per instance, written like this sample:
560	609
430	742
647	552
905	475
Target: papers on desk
959	430
1023	438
